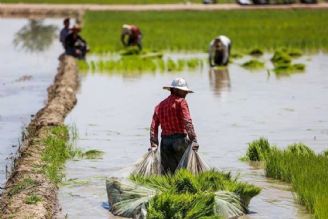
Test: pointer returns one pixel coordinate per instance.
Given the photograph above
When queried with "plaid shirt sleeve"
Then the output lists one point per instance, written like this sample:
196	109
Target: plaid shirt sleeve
187	120
154	128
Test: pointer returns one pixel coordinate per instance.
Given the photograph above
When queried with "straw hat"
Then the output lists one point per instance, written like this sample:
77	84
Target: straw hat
179	83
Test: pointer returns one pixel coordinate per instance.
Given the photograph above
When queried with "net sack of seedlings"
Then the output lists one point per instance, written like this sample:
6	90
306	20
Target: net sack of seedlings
127	199
192	161
150	164
228	205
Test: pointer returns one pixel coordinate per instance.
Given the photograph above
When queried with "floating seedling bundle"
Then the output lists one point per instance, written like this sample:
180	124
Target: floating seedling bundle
193	191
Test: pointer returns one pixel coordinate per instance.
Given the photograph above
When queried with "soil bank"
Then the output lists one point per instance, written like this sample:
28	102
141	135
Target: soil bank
61	99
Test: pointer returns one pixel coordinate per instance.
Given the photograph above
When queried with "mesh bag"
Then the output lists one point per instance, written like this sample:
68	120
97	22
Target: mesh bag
192	161
150	164
127	199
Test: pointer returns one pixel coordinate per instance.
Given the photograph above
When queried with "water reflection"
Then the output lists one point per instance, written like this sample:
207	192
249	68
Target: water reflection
219	80
35	36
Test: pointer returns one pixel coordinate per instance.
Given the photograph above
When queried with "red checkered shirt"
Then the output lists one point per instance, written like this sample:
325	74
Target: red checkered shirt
172	114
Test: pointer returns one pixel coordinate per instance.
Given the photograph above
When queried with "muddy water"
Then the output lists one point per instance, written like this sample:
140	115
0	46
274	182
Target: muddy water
229	109
26	70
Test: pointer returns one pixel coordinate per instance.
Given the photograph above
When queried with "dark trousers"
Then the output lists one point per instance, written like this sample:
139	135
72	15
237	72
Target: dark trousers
172	149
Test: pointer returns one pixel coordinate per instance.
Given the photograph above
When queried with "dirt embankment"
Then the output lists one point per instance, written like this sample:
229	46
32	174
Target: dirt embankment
51	10
27	181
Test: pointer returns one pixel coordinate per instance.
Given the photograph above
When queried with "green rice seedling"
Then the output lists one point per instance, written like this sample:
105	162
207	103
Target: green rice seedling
307	173
236	55
93	154
258	150
299	149
281	58
187	205
288	68
213	180
294	53
256	52
244	190
253	64
32	199
184	182
161	183
25	184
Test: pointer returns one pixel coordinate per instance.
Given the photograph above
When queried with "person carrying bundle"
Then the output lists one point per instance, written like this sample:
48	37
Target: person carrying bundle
131	36
219	51
173	115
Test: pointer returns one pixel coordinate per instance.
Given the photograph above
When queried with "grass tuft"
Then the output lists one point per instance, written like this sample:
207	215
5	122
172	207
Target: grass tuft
32	199
25	184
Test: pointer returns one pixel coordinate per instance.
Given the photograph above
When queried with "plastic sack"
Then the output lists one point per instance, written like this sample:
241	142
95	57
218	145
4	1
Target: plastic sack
192	161
127	199
228	205
150	164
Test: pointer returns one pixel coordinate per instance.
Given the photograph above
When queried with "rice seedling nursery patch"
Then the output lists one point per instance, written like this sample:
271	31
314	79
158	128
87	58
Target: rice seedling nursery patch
193	30
299	165
140	64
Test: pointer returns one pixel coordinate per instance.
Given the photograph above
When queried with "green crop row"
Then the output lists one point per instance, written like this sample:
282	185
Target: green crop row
299	165
193	30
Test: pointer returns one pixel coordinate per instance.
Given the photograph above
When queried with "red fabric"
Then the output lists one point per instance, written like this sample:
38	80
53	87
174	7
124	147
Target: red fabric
173	115
135	32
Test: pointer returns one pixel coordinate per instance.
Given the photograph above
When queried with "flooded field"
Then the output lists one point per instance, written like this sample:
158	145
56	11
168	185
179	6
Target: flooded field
229	109
28	53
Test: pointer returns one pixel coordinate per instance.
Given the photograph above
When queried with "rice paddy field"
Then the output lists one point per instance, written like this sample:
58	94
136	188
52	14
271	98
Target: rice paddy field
193	30
274	86
112	1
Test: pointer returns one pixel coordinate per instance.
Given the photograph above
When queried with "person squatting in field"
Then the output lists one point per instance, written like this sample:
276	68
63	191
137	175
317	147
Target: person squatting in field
75	45
131	36
219	51
173	115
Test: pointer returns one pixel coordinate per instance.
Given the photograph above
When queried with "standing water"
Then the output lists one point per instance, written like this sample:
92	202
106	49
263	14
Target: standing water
28	52
229	109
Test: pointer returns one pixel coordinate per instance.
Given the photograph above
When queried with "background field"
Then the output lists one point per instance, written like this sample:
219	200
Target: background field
111	1
193	30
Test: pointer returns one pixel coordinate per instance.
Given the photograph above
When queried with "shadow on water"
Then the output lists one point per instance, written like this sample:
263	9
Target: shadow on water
35	36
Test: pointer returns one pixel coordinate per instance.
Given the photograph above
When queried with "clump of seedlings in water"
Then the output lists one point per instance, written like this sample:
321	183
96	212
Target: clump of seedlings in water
256	52
253	64
299	165
236	55
93	154
282	61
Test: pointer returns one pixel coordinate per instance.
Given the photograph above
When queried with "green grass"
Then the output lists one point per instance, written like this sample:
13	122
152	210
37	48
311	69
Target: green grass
57	151
306	171
32	199
193	30
25	184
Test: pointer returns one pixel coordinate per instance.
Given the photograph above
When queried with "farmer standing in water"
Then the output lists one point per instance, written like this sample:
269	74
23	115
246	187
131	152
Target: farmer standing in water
173	115
131	36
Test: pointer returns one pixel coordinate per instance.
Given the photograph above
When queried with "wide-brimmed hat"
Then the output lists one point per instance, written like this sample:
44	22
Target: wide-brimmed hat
179	83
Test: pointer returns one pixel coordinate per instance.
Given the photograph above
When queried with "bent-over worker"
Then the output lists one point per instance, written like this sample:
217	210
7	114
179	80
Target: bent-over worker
133	35
219	51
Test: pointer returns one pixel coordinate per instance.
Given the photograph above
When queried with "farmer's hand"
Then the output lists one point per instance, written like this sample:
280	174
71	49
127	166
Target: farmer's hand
195	145
153	147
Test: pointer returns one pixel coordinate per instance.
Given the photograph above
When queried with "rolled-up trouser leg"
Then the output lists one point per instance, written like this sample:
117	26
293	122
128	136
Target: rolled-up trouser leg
172	149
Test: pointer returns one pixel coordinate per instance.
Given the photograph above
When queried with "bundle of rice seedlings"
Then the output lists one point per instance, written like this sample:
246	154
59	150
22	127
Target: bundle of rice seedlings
228	205
192	161
258	149
182	206
253	64
280	57
128	199
299	149
256	52
288	68
150	164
